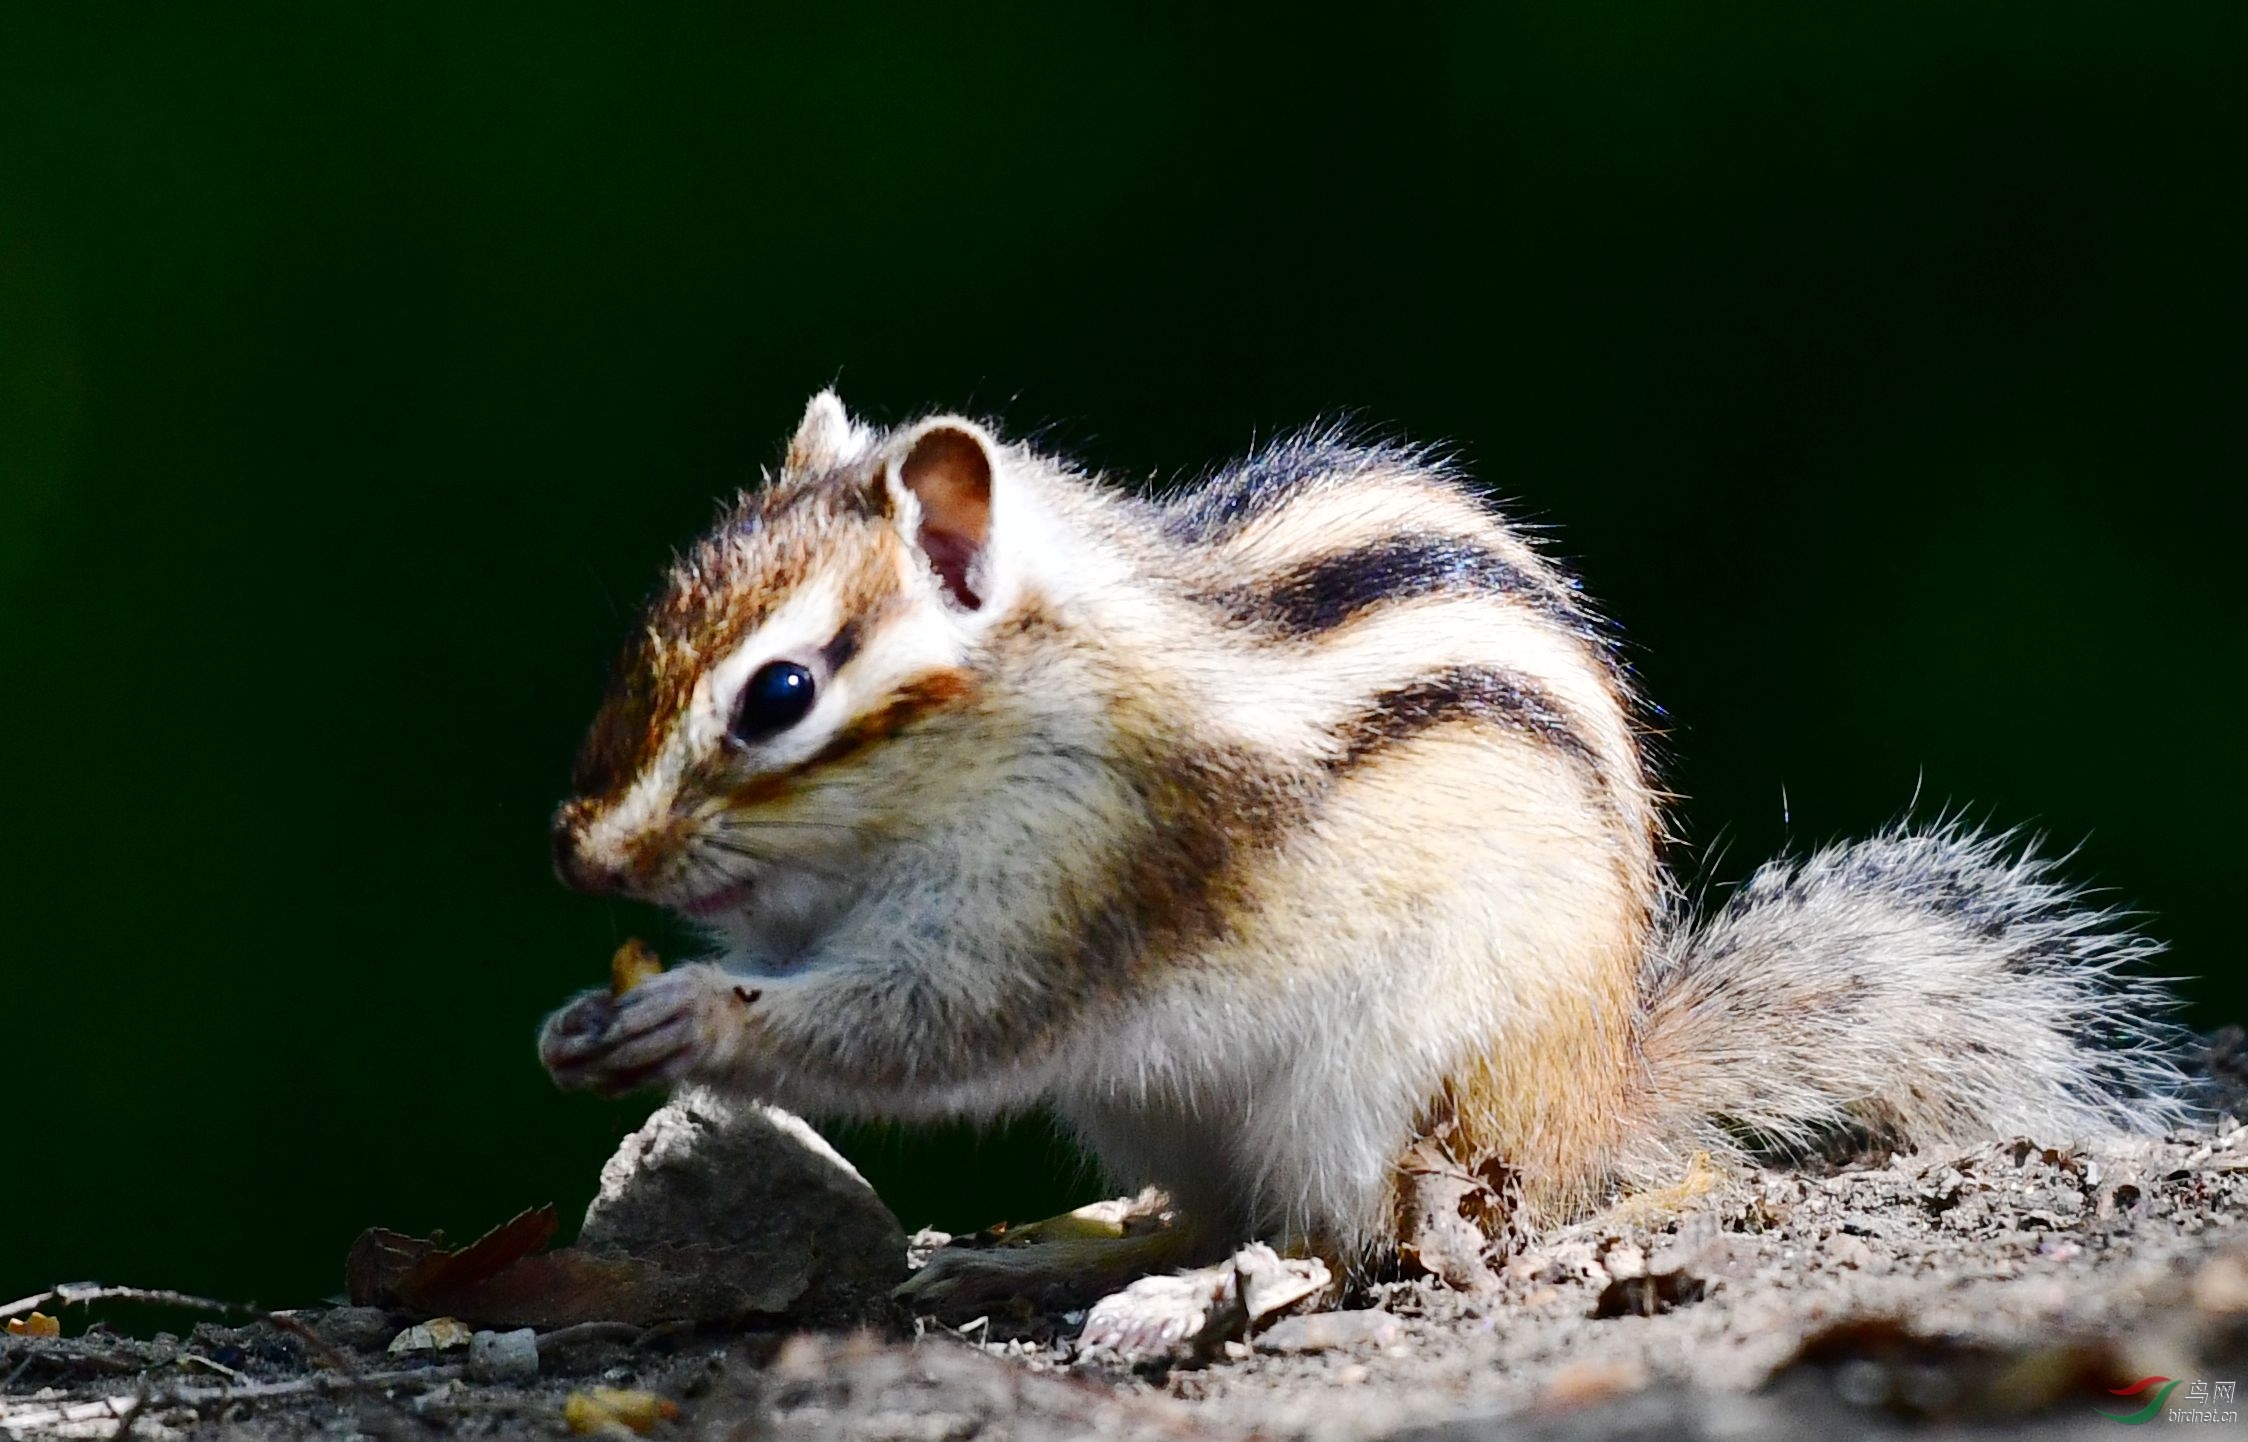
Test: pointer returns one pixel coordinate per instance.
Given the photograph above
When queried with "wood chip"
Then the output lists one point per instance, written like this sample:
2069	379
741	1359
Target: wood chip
38	1324
603	1409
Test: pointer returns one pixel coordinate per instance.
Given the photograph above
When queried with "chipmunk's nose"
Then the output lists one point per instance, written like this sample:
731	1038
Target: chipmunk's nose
576	870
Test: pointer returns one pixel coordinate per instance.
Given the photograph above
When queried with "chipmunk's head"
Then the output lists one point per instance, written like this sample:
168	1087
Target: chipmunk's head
802	684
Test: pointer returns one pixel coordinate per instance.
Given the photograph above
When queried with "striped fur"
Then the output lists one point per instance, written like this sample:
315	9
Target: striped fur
1252	828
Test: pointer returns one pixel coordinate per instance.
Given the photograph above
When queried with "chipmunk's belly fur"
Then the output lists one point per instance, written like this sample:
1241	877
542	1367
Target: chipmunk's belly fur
1458	936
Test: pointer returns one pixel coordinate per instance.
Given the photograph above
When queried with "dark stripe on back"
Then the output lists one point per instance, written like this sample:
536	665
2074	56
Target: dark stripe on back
1209	812
1488	694
1277	473
1323	592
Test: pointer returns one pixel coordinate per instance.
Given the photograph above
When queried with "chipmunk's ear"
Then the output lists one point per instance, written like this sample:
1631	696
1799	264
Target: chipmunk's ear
827	438
946	466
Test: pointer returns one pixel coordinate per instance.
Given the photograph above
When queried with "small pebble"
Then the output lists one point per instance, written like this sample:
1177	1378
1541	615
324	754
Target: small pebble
1845	1250
1330	1331
504	1356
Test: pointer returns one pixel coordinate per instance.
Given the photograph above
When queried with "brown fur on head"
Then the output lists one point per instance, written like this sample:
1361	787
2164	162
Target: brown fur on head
857	568
767	545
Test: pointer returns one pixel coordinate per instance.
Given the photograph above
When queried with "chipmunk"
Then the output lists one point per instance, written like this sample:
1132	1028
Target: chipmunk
1258	829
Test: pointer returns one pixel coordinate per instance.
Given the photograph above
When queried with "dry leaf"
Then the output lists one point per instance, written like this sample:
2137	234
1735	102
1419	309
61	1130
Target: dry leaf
1650	1295
605	1407
634	963
391	1269
1451	1215
38	1324
498	1249
438	1334
1700	1181
502	1279
1270	1283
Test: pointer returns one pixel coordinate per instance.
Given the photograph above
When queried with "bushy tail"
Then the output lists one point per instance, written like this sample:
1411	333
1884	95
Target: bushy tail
1924	986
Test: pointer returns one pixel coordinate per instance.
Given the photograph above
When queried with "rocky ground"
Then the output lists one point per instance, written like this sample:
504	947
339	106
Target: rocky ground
2000	1290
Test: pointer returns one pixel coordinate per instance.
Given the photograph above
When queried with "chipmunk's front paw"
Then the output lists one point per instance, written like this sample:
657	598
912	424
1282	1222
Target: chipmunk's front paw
655	1035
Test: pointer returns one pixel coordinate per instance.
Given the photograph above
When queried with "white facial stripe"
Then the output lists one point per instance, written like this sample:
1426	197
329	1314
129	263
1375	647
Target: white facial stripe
805	622
910	641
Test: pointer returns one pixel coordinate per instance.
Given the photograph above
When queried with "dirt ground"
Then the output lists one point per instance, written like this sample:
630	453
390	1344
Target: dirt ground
2002	1290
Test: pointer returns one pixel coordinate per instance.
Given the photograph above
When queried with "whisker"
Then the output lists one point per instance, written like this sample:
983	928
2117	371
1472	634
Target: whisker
790	863
750	826
738	823
733	848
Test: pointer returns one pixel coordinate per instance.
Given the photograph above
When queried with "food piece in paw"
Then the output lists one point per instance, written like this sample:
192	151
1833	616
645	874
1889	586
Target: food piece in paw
634	962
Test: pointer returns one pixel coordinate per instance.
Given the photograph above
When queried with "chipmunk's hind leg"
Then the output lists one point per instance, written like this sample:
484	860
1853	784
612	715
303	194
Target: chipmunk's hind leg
1060	1264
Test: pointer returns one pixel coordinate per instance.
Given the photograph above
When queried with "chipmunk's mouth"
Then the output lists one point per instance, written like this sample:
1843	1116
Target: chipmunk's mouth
724	899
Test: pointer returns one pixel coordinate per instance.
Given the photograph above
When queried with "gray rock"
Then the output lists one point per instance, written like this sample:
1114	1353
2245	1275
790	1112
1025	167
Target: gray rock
760	1199
364	1329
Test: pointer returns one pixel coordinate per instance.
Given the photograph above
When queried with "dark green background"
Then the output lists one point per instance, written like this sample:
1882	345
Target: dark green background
359	362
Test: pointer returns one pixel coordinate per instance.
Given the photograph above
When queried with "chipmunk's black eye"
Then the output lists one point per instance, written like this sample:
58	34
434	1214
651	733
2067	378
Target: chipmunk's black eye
776	698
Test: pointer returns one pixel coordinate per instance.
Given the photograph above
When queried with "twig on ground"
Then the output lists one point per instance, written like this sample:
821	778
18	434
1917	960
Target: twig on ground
196	1359
89	1292
54	1414
664	1331
131	1414
25	1304
624	1332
